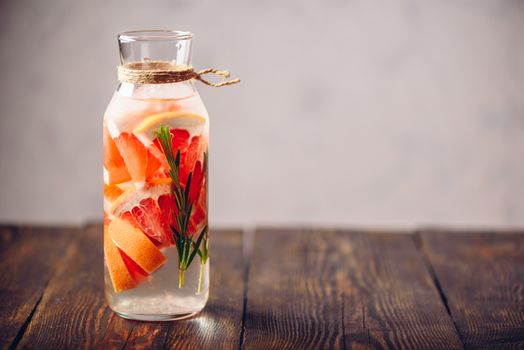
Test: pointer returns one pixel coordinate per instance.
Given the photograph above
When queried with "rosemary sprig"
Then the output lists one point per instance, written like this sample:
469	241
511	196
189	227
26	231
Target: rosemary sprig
186	247
203	252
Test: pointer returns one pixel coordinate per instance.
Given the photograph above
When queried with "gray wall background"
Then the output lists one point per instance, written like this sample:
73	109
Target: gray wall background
380	113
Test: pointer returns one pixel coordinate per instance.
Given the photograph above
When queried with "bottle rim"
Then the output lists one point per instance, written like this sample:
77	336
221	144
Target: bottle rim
154	35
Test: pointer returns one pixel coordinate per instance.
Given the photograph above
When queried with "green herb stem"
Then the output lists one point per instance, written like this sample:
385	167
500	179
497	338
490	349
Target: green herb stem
201	277
187	248
181	278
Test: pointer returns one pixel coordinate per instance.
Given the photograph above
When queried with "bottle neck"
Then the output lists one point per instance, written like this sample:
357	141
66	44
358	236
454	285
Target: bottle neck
155	45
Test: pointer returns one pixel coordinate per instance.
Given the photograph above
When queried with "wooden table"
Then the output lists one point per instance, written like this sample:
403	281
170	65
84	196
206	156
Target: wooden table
296	288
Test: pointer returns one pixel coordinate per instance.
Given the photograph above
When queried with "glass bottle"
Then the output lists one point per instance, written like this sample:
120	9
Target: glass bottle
155	185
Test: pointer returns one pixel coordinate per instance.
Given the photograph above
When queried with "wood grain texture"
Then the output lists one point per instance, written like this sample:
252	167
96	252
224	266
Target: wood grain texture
482	278
218	326
72	312
28	259
390	300
292	299
306	289
322	289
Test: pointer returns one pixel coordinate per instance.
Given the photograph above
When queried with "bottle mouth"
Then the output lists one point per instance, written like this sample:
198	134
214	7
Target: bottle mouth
154	35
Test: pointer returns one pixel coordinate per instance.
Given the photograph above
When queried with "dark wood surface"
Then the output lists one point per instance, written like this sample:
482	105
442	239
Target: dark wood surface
278	289
481	276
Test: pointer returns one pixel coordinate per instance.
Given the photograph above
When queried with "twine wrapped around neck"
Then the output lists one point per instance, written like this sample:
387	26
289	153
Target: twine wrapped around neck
164	72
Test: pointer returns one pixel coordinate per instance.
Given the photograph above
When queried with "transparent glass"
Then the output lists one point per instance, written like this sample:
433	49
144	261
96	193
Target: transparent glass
155	202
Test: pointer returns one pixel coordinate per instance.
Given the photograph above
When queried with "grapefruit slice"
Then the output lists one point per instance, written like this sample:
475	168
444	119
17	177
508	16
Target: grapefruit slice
196	183
149	208
125	114
113	161
137	273
134	154
190	156
193	123
118	272
135	244
142	163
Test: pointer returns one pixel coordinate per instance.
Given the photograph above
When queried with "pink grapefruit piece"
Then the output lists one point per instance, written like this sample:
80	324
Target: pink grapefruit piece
113	162
134	154
118	272
149	209
137	273
136	245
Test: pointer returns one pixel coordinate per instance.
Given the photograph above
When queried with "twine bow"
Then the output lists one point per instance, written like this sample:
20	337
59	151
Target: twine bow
164	72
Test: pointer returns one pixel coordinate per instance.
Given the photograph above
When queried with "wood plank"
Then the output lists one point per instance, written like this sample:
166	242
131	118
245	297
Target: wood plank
326	289
72	311
218	326
292	299
28	258
401	307
482	278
